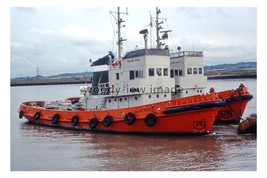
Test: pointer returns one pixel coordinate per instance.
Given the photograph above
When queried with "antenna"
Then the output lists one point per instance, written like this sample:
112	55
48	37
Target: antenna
158	28
119	25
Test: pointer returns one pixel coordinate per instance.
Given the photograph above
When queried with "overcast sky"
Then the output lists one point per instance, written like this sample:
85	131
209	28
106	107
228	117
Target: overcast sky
60	40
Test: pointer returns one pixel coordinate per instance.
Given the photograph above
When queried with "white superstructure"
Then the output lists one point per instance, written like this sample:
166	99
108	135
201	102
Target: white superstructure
144	76
187	68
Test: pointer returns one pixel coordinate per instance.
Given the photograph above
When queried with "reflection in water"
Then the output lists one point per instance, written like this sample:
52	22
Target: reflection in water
61	149
35	147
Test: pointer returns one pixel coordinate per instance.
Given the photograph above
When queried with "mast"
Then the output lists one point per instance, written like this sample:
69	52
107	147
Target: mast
120	39
158	27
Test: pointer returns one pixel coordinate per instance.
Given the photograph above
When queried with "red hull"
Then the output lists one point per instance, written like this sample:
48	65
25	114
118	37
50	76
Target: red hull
190	115
236	102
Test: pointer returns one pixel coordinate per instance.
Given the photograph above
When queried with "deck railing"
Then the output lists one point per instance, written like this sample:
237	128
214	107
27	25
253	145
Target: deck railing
186	53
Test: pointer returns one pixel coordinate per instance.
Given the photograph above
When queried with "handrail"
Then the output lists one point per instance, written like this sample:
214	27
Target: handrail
186	53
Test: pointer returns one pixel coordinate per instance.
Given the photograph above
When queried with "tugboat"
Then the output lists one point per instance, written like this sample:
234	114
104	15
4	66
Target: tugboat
137	93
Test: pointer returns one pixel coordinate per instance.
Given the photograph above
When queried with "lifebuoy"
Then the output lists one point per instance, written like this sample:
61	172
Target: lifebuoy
21	114
129	118
150	120
93	123
55	119
74	120
107	121
37	116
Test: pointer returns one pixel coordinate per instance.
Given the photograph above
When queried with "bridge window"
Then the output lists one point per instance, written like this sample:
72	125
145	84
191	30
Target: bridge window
159	71
151	72
200	70
131	74
180	72
136	74
165	72
189	70
172	75
140	74
117	76
195	71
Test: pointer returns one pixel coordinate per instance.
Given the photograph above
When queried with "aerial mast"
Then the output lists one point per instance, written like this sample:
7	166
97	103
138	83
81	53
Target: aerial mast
158	27
120	39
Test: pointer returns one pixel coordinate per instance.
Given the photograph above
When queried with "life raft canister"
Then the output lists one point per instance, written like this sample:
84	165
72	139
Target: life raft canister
107	121
37	116
74	120
21	114
129	118
150	120
93	123
55	119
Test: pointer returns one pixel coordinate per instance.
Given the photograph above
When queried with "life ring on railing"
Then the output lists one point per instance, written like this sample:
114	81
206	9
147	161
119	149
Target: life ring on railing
55	119
150	120
93	123
37	116
107	121
129	118
74	120
21	114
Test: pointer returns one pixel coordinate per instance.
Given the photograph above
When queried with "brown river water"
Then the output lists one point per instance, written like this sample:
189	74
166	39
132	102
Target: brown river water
42	148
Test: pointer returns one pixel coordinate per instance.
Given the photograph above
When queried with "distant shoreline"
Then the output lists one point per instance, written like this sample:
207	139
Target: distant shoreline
64	81
58	81
231	77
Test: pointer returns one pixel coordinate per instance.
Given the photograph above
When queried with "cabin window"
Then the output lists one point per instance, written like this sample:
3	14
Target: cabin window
165	71
189	70
200	91
180	72
131	74
109	101
117	76
172	73
159	71
195	71
125	99
151	72
140	75
186	92
120	99
135	98
157	96
200	70
165	95
176	73
149	96
136	74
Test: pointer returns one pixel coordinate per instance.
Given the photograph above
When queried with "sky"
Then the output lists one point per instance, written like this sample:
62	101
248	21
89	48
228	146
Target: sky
63	39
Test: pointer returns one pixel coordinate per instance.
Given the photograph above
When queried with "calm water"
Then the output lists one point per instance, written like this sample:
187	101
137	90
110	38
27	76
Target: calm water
40	148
